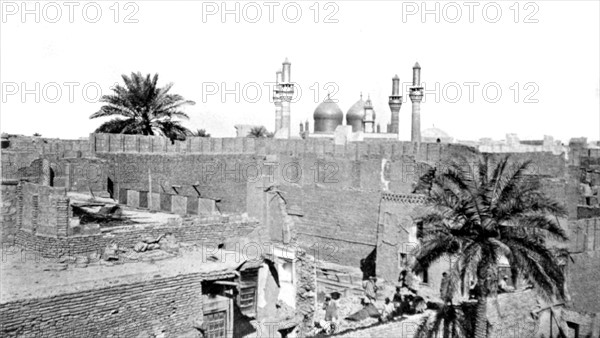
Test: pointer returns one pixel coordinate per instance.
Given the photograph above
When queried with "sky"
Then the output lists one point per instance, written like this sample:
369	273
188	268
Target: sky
488	68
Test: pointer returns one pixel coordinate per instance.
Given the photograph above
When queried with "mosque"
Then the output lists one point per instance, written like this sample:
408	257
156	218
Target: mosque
360	119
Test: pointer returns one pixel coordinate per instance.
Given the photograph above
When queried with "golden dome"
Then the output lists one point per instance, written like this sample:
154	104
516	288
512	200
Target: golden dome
328	116
356	112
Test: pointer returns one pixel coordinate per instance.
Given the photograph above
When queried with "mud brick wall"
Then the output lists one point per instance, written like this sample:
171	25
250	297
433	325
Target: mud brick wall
338	225
16	164
169	304
40	145
589	324
209	230
218	178
397	231
44	210
9	207
515	320
119	143
584	235
306	294
37	246
582	278
81	174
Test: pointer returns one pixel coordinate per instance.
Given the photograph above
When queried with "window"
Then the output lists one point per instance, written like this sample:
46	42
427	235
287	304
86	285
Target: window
215	324
247	298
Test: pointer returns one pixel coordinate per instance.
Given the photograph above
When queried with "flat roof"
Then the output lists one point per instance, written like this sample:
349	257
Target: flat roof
26	279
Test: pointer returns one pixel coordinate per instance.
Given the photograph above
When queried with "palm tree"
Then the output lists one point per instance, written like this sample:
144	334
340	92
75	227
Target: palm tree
258	132
483	212
199	133
144	109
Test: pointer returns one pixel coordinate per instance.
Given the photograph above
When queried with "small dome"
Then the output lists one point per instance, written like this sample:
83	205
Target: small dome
356	115
328	109
356	112
328	116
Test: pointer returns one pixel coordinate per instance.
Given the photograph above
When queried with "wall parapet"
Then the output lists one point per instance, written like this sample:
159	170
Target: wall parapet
122	143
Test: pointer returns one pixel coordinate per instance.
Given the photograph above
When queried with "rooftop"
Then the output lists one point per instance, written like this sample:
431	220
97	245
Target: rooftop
27	276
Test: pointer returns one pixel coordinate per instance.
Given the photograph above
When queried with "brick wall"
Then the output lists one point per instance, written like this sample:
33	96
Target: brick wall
9	209
514	319
583	277
208	230
40	145
396	232
170	305
191	175
584	235
44	210
338	225
306	290
119	143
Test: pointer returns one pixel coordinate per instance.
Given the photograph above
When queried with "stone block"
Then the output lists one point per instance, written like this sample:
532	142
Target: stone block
133	198
155	201
206	206
165	202
192	205
179	204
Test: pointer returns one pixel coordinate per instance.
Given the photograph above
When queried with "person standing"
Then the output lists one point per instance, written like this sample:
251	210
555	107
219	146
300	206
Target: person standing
444	286
370	287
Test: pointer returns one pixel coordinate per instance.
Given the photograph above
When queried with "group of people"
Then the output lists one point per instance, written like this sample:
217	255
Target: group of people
404	301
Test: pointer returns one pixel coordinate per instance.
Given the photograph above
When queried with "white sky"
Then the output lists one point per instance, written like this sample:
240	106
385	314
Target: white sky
361	52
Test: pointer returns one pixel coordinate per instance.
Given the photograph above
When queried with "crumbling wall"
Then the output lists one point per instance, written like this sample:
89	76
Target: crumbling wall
210	232
43	210
306	290
9	208
169	306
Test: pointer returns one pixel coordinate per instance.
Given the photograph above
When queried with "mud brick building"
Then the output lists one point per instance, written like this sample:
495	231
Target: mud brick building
278	210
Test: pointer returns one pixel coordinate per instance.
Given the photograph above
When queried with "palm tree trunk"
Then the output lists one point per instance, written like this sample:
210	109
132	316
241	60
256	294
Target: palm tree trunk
481	317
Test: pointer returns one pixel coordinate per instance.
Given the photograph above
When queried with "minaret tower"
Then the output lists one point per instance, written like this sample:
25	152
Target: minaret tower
369	121
277	100
416	95
286	94
395	103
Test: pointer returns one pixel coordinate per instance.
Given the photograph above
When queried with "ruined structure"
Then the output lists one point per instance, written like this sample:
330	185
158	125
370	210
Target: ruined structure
284	214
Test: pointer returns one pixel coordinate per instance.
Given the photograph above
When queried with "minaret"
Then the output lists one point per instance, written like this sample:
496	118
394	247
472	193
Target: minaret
277	100
395	103
287	92
369	120
416	95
